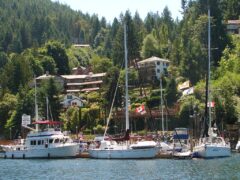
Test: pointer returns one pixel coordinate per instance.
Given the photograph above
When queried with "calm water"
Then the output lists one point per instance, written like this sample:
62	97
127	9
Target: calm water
224	168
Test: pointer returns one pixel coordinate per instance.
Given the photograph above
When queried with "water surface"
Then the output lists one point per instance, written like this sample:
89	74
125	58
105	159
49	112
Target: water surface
223	168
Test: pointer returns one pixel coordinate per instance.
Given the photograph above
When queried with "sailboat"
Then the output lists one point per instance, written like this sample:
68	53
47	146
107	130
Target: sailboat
121	148
210	145
43	143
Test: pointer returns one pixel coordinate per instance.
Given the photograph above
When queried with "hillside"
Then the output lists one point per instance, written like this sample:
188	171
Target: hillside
37	36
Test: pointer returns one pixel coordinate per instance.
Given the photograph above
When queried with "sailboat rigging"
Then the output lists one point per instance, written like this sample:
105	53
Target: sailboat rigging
111	149
210	145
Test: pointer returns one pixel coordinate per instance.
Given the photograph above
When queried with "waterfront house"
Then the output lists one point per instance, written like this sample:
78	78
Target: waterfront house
83	83
72	100
76	83
150	69
233	26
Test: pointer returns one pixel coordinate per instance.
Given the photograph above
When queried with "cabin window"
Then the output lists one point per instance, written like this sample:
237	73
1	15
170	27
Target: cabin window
61	140
56	141
50	141
39	142
158	63
158	70
33	142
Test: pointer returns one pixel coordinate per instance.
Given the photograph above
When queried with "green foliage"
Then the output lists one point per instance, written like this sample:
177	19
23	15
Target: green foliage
71	119
51	90
99	129
39	39
171	93
58	53
17	72
100	65
7	106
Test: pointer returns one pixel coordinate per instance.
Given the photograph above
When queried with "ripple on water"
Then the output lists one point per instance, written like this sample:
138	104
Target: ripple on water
224	168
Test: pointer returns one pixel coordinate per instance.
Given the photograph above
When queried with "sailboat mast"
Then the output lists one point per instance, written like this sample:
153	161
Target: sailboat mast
36	106
209	70
126	77
160	78
47	108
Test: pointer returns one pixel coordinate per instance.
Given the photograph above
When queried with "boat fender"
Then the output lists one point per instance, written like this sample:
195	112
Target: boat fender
23	156
48	155
5	156
46	145
12	156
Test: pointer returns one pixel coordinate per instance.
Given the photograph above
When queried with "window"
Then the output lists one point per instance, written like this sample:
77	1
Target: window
33	142
56	141
158	70
39	142
50	141
158	63
74	103
69	96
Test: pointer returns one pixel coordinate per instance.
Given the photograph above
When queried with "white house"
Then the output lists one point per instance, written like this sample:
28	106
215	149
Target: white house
152	68
233	26
72	100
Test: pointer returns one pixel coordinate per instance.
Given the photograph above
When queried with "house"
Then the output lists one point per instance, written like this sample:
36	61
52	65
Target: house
83	83
150	69
233	26
72	100
76	83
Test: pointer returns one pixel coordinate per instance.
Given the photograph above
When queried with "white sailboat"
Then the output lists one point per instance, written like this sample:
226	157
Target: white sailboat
214	145
113	149
46	143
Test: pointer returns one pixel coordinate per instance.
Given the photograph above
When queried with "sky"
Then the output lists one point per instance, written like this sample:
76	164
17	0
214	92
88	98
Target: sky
112	8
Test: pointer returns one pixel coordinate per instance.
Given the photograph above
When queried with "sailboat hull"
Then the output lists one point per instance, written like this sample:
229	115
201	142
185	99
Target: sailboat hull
212	151
124	153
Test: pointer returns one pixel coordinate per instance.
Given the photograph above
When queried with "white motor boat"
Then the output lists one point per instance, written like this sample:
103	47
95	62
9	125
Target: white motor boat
49	143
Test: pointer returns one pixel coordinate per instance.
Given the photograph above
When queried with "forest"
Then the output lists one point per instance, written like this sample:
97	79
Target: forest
37	36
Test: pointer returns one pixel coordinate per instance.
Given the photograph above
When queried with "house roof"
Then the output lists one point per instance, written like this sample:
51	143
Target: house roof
233	22
45	76
83	76
153	59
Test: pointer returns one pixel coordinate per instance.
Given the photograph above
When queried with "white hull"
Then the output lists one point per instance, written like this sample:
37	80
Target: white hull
63	151
123	153
212	150
238	147
184	154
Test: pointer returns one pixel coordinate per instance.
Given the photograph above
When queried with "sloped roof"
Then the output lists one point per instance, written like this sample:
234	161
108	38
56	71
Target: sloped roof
153	59
83	76
233	22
